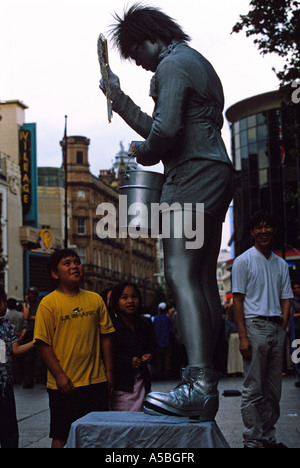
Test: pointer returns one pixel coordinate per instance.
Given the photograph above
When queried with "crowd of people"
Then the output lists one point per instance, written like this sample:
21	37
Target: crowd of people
87	370
135	348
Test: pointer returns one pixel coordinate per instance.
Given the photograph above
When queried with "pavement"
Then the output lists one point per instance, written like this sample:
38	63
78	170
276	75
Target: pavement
33	413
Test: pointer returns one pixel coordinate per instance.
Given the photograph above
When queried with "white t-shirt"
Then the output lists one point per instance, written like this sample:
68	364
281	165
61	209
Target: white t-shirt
263	281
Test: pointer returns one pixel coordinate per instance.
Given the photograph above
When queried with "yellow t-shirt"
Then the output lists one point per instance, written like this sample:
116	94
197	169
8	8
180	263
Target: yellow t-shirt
72	326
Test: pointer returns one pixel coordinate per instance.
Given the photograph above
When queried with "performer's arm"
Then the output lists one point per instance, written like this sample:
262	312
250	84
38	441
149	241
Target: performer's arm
139	121
173	85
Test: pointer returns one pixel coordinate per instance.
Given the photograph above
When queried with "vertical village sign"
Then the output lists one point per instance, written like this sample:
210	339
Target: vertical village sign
25	164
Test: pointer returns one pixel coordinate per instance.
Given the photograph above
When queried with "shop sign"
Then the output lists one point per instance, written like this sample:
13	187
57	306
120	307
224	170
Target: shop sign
25	164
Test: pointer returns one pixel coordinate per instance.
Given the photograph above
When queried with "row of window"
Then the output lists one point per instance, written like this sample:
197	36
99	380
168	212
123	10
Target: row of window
249	122
112	262
250	144
81	231
250	136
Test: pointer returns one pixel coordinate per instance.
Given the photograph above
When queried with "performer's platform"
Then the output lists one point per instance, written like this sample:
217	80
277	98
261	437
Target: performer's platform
115	429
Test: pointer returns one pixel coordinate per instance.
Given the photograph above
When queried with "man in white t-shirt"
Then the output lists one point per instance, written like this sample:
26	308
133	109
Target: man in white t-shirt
261	296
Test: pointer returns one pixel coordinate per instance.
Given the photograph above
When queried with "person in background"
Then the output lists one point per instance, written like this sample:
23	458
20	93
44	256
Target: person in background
9	347
15	316
262	295
31	364
105	294
134	347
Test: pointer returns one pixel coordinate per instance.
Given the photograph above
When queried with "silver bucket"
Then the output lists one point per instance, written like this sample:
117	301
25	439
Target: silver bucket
142	188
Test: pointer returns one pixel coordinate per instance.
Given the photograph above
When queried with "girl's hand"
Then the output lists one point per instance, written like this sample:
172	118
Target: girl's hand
146	358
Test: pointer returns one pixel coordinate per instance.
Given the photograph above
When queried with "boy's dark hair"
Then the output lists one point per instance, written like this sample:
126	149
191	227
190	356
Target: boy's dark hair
2	294
117	293
58	255
260	217
11	303
141	23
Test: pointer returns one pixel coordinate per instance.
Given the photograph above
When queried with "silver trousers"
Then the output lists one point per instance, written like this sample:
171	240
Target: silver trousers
261	393
191	275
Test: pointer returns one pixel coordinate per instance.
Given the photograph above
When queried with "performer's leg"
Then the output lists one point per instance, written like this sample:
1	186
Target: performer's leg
209	275
191	274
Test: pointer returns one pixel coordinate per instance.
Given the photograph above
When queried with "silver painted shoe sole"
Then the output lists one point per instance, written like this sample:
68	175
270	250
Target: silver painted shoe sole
205	413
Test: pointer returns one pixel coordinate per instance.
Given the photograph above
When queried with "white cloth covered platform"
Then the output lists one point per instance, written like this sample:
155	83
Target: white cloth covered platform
115	429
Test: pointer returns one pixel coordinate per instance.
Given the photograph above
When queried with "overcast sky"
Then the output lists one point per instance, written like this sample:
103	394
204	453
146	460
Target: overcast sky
48	58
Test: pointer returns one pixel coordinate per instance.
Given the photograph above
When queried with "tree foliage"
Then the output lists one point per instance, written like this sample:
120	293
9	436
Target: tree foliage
276	25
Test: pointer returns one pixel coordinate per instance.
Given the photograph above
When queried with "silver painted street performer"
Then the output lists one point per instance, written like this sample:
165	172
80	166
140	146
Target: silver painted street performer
184	133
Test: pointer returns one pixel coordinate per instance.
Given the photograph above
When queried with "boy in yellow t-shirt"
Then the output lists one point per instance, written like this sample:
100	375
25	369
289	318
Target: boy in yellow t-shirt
73	334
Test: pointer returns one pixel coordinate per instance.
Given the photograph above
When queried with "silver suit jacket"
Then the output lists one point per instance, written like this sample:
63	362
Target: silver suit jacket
187	118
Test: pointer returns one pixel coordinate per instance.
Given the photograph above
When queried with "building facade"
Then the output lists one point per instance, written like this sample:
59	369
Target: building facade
12	119
265	152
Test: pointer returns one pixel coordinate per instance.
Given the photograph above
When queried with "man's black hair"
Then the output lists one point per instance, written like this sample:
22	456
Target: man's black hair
11	303
58	255
141	23
261	217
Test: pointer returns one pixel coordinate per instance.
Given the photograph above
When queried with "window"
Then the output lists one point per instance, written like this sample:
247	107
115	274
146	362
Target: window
263	159
251	121
263	177
238	162
80	194
252	135
262	132
237	141
82	254
244	139
81	226
243	124
79	157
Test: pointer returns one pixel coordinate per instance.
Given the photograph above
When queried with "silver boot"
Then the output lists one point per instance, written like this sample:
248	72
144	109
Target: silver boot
196	396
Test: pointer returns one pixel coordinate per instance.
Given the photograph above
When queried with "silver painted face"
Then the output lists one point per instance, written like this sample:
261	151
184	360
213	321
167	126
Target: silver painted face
146	54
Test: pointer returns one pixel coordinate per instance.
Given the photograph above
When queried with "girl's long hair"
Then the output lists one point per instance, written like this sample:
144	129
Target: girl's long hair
117	293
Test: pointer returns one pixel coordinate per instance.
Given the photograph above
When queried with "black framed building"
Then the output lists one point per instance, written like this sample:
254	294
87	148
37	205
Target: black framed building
265	152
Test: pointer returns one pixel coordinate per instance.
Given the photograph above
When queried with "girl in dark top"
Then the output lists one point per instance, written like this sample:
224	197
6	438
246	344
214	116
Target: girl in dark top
134	346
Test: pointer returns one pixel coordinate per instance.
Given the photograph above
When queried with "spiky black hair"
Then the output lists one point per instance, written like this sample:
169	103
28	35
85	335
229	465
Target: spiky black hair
141	23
